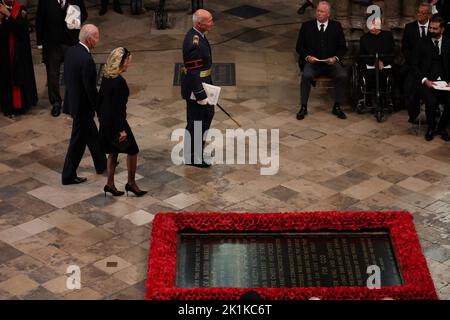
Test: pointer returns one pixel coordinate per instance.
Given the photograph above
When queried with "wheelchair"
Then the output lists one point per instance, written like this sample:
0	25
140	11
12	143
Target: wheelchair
374	100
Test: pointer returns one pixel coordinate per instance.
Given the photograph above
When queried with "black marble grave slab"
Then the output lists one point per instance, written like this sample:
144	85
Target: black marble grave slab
284	260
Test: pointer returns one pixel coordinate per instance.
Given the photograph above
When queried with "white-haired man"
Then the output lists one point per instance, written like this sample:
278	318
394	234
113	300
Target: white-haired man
321	47
197	60
81	102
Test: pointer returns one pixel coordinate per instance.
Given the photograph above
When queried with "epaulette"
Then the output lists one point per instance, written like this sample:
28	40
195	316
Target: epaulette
196	40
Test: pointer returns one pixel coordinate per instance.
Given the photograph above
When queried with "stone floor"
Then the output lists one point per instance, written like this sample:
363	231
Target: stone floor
325	163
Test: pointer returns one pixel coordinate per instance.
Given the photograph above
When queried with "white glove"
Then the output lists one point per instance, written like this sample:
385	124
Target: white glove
203	102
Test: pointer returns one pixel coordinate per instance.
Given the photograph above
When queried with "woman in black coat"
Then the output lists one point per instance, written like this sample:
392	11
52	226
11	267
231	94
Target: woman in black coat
115	133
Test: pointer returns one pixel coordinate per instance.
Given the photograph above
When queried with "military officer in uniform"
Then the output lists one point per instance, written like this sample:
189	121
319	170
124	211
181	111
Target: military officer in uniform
197	70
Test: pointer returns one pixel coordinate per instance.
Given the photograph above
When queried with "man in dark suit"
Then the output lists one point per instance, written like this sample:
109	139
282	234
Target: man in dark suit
413	32
54	38
430	63
81	96
321	47
197	60
443	8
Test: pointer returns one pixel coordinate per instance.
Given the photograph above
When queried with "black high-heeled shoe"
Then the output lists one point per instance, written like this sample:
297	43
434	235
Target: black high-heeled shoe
114	192
137	193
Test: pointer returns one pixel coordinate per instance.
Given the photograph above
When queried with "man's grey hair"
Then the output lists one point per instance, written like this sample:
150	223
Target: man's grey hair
427	5
325	3
196	18
87	31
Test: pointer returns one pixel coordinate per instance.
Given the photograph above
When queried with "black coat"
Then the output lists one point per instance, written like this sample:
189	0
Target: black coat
80	78
112	101
411	37
308	44
112	114
51	28
383	43
197	57
423	56
443	8
21	71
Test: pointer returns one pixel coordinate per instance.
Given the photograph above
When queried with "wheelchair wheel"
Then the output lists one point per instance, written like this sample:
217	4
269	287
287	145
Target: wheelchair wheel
379	116
161	19
355	93
136	6
359	108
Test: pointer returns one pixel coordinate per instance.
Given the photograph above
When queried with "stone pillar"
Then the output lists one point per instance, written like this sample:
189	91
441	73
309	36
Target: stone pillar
409	9
341	10
392	14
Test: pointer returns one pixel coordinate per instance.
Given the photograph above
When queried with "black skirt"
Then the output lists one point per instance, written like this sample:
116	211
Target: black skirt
108	136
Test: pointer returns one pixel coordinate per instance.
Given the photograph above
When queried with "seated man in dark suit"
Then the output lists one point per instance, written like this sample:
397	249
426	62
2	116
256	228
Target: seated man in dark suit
413	32
431	63
321	47
373	42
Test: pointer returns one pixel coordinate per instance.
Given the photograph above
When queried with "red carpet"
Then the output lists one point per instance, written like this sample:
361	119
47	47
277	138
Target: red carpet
417	282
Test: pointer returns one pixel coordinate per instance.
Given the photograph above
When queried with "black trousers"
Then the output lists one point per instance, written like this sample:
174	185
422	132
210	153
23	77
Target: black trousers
53	65
432	98
410	94
370	77
312	70
200	116
84	132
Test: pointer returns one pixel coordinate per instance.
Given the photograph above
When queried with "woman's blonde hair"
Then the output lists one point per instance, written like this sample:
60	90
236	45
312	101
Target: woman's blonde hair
113	63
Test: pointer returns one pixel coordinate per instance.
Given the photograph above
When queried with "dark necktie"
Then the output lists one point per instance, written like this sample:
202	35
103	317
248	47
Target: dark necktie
436	46
422	33
322	27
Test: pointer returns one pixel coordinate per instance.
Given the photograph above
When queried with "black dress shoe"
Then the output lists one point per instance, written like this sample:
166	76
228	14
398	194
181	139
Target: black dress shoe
102	11
337	111
429	135
56	110
200	165
302	113
76	180
444	135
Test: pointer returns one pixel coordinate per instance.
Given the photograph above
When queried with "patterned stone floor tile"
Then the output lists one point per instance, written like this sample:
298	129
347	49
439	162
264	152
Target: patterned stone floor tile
18	285
325	163
112	264
35	226
133	274
83	294
140	217
182	200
